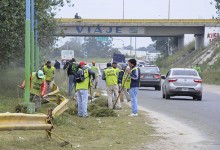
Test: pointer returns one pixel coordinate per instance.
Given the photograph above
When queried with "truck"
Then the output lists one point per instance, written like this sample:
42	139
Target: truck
66	55
119	58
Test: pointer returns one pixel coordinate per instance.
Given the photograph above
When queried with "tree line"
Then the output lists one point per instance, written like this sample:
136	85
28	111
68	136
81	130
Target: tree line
12	28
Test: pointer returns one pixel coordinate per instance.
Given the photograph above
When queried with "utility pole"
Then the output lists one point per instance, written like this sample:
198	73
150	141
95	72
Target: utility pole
135	43
130	45
37	62
32	36
27	53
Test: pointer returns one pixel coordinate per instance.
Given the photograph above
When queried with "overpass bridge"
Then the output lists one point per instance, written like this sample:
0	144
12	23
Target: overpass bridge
138	28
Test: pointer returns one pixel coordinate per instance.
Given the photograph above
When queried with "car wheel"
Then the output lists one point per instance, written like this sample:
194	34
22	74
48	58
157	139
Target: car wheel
159	88
199	98
167	96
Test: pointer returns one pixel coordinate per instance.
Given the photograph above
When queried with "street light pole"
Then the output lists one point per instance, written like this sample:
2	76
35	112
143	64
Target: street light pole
135	44
27	53
32	36
123	9
168	40
169	9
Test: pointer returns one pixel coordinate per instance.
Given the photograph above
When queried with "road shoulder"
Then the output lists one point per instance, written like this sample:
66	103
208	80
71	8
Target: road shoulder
211	88
175	135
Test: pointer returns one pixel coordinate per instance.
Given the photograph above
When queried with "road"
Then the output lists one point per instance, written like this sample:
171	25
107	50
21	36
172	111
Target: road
200	115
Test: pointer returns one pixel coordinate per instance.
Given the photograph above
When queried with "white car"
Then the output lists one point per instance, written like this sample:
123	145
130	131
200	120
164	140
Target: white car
182	82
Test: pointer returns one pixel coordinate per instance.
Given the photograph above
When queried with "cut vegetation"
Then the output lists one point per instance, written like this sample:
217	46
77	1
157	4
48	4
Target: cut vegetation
103	129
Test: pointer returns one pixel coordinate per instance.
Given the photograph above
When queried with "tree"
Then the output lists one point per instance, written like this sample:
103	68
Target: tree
95	48
12	27
74	44
161	43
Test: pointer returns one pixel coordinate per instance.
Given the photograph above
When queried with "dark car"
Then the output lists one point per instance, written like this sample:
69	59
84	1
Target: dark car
150	77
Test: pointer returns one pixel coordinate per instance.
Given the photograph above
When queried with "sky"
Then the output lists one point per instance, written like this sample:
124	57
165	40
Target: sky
138	9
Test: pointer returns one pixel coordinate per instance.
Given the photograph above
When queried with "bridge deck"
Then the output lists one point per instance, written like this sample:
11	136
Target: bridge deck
72	20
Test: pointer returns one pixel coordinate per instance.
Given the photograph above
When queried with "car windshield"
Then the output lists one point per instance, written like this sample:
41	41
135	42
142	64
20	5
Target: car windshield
184	73
149	70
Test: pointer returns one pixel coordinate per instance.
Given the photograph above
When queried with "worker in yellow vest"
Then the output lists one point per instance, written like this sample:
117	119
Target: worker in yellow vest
97	71
111	77
133	86
37	87
82	85
115	66
124	83
49	72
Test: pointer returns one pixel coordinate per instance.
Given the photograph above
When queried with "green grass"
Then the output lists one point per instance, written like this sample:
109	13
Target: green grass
118	132
168	61
121	132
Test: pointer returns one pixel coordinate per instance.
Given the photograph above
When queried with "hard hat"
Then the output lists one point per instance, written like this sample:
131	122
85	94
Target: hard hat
93	62
40	74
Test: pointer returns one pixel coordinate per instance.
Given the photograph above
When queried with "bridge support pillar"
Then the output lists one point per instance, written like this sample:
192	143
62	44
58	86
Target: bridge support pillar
199	41
180	42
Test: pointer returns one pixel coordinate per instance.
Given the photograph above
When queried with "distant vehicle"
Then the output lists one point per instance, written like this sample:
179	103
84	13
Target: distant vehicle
66	55
182	82
119	58
150	77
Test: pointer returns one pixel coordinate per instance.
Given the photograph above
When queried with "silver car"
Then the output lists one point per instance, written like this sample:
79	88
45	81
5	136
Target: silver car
182	82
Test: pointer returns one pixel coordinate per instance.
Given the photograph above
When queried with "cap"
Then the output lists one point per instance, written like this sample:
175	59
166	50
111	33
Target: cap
40	74
82	63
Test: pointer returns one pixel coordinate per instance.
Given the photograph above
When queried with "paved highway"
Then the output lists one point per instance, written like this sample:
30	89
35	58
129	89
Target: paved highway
200	115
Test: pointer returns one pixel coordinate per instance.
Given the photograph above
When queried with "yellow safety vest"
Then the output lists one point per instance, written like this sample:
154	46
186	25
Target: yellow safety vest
36	84
111	76
117	70
96	70
85	84
126	80
49	72
127	84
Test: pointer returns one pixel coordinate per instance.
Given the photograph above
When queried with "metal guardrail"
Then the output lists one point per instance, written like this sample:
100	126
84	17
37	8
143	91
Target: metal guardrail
72	20
21	121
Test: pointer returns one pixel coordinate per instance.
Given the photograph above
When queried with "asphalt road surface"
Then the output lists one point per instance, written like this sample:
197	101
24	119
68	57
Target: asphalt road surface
201	115
204	116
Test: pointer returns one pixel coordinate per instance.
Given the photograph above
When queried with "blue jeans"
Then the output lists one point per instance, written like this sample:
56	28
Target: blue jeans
133	94
82	99
72	83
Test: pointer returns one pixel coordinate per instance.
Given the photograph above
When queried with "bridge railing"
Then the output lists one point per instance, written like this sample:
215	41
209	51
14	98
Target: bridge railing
72	20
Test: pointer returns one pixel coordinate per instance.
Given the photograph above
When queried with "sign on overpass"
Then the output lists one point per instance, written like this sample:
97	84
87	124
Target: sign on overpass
138	28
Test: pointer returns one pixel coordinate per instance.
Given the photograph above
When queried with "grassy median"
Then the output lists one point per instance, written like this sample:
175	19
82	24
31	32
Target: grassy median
118	132
121	132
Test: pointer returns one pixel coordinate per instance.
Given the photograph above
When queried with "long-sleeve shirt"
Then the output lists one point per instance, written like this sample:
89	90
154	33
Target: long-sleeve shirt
120	77
135	77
